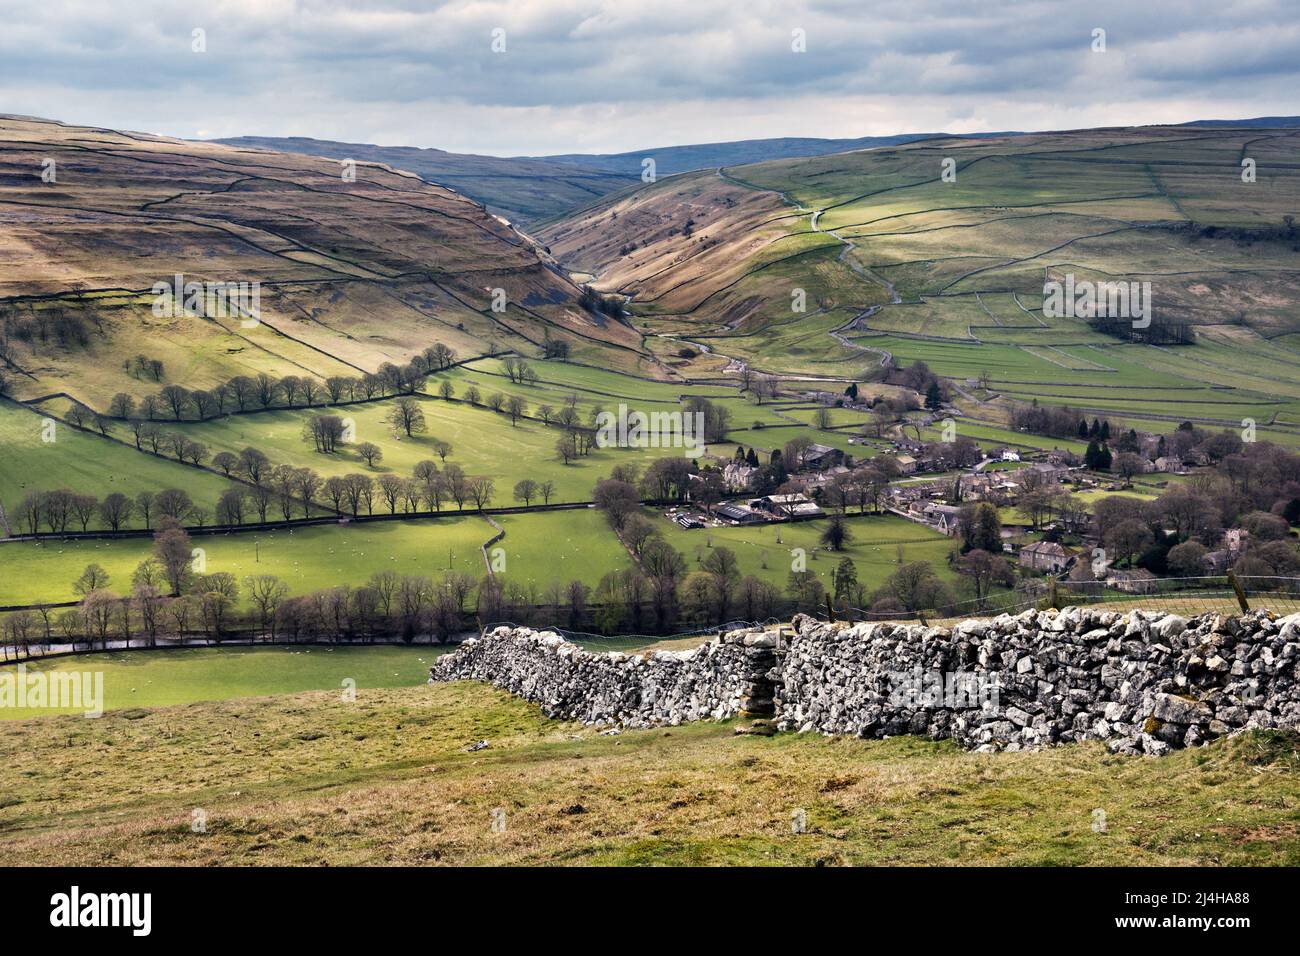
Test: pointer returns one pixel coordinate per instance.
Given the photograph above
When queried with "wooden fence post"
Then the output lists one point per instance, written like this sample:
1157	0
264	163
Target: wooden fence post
1241	592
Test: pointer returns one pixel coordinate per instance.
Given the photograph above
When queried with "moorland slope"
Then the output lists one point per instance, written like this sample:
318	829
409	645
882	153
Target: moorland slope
352	274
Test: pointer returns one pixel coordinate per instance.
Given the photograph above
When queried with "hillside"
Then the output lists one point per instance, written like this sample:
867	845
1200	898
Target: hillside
352	274
311	779
520	189
531	189
897	263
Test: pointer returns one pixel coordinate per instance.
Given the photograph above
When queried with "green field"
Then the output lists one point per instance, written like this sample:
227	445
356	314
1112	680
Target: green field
483	442
538	548
992	437
767	551
304	558
967	262
543	548
160	678
87	463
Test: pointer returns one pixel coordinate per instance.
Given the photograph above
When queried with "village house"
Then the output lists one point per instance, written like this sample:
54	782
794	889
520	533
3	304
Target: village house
1234	544
906	464
1217	562
1045	556
943	518
738	476
820	480
1051	470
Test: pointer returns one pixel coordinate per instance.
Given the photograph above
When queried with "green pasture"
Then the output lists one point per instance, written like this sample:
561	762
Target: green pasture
482	442
160	678
305	558
86	463
539	548
768	550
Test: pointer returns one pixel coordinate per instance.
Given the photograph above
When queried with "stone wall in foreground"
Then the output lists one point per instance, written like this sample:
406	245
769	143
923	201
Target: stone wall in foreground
665	687
1144	682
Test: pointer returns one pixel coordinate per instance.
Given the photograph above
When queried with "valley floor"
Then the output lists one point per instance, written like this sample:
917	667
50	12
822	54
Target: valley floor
311	779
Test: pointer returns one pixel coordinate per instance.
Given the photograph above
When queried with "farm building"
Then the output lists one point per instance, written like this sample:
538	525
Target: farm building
787	506
1046	556
1049	469
738	514
821	456
944	518
1136	581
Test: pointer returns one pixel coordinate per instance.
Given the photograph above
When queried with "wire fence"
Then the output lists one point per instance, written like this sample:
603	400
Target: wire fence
1187	597
1224	594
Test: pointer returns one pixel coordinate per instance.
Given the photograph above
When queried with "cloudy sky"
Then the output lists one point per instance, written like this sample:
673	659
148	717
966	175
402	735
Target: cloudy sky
615	75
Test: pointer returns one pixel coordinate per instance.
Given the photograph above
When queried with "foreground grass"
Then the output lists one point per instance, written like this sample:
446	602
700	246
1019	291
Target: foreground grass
311	779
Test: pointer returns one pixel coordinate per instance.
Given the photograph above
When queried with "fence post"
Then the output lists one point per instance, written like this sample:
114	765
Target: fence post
830	609
1241	592
1052	601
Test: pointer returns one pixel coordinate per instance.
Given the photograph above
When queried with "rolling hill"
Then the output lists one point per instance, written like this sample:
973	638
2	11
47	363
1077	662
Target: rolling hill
897	264
352	274
531	189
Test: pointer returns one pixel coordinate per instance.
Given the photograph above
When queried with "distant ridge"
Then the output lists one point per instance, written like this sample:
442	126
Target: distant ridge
530	189
684	159
1260	122
519	189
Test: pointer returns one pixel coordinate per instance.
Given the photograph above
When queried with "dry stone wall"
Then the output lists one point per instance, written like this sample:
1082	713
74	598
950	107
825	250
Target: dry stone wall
1143	682
665	687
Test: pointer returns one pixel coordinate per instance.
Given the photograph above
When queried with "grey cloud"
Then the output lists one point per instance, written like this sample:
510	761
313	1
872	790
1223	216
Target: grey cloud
348	69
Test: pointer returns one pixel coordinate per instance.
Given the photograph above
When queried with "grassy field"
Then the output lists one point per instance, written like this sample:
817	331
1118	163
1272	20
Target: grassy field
312	779
87	463
538	549
767	551
160	678
483	442
305	558
558	547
